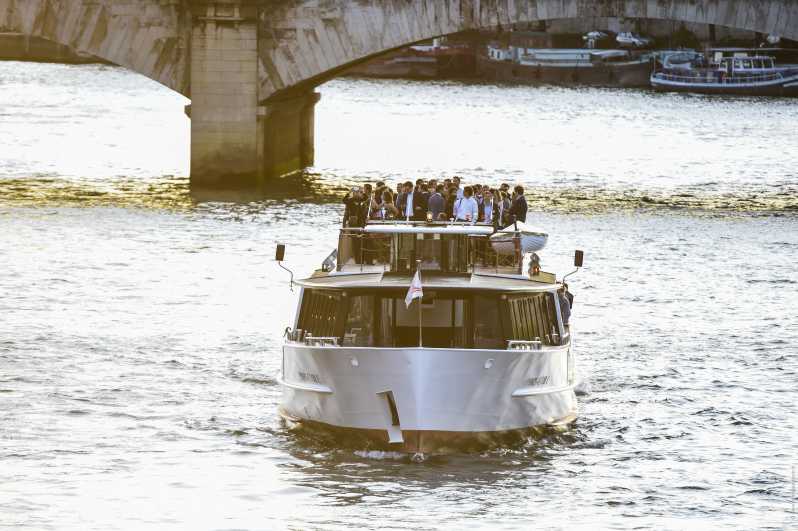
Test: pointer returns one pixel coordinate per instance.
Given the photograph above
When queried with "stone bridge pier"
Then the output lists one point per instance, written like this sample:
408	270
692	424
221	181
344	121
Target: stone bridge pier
237	139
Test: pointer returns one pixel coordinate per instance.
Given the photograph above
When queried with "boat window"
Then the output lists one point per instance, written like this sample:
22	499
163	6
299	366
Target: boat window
358	248
428	250
358	328
487	324
533	317
319	312
747	63
455	253
444	320
405	252
386	320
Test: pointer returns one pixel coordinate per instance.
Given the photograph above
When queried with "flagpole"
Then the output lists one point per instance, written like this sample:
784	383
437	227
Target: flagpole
418	269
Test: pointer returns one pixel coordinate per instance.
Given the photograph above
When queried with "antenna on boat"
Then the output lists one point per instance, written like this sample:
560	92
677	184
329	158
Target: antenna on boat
279	255
579	257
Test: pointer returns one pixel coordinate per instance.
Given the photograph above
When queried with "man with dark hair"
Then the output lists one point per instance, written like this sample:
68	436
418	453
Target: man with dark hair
518	207
424	193
356	207
456	182
437	204
466	208
411	204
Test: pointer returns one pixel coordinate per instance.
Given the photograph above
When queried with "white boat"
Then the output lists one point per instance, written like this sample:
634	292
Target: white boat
485	354
531	239
726	71
632	40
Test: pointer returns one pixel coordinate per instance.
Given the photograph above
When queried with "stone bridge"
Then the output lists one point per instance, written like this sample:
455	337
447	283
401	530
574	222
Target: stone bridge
250	67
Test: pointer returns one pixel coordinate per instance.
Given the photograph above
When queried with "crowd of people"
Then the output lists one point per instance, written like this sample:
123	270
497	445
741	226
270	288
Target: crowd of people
435	200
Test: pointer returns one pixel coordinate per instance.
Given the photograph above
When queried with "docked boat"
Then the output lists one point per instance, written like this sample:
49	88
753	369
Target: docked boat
421	338
746	73
436	60
611	68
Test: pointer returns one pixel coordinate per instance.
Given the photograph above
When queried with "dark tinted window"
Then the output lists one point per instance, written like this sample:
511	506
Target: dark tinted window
319	312
359	321
533	316
487	323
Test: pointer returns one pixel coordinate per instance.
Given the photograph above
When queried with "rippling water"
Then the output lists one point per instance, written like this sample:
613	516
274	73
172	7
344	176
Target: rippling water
140	324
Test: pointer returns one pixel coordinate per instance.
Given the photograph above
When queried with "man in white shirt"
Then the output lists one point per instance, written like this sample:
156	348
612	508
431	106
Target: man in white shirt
466	208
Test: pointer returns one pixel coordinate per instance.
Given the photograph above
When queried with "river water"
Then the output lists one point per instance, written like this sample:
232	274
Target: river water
140	324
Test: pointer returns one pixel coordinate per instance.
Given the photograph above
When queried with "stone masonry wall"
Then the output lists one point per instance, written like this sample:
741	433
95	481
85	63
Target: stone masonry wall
224	98
150	37
305	42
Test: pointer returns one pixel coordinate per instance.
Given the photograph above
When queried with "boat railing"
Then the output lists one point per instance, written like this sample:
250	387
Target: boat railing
358	250
314	341
718	77
485	260
370	252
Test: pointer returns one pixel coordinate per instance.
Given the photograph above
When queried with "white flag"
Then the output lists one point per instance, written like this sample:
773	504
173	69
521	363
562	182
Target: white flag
415	291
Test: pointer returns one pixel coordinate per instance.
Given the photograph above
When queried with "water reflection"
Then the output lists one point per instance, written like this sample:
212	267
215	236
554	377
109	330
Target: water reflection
140	322
176	193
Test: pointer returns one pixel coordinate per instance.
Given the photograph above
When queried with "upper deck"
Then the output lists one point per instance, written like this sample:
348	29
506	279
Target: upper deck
403	246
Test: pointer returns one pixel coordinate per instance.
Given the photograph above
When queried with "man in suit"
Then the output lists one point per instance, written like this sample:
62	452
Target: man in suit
412	204
518	207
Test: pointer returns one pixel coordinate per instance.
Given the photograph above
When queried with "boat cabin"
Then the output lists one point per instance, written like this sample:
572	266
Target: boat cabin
755	64
451	316
474	296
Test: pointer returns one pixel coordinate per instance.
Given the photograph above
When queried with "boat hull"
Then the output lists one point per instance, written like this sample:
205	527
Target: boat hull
428	400
629	74
788	86
430	441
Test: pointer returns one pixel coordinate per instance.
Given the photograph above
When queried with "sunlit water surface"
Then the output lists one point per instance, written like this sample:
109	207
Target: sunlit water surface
140	325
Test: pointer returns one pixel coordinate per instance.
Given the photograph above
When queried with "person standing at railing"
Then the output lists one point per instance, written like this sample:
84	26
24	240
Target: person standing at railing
388	209
518	208
466	208
436	203
486	214
565	304
376	210
356	208
501	210
404	201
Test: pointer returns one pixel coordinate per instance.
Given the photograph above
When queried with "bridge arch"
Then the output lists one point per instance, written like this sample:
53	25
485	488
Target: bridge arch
250	66
304	43
149	37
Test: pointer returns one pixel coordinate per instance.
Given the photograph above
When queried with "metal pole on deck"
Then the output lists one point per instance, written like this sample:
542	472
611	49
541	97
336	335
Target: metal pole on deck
418	268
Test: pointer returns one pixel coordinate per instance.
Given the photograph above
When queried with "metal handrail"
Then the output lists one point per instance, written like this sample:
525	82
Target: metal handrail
320	341
518	344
